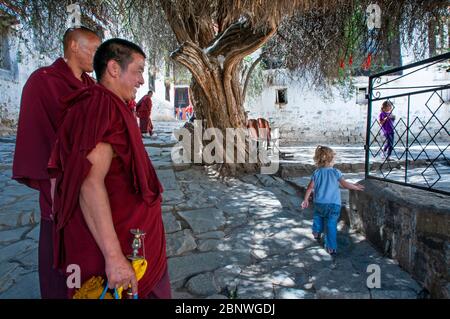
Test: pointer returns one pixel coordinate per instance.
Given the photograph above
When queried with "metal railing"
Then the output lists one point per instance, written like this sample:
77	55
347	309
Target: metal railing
420	154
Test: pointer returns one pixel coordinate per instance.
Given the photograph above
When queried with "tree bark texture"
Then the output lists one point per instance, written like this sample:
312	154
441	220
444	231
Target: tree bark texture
216	90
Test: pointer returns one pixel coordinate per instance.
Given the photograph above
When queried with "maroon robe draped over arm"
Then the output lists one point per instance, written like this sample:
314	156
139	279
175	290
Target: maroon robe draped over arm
41	112
98	115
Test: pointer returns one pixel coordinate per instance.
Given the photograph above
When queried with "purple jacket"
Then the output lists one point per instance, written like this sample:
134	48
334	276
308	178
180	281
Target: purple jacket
388	126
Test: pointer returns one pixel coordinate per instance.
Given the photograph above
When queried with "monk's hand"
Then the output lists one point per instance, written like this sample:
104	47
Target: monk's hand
120	273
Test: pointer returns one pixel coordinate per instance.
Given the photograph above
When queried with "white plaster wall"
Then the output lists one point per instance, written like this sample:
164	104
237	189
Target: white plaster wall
163	110
23	64
309	118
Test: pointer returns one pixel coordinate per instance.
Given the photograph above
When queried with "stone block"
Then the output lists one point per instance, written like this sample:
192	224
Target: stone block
179	243
204	220
203	285
171	225
410	225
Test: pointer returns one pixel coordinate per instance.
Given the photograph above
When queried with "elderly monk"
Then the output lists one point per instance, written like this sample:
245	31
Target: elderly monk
40	115
143	112
105	182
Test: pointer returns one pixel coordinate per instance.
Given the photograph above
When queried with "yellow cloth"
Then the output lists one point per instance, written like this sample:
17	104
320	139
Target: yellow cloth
93	288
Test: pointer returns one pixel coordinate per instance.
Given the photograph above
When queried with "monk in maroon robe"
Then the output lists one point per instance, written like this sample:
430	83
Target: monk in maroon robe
144	111
40	115
105	182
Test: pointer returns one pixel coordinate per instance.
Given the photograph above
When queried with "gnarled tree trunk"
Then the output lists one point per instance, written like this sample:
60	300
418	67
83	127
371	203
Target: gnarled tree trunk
214	62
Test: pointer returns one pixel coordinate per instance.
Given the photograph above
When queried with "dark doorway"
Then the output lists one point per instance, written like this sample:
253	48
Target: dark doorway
181	97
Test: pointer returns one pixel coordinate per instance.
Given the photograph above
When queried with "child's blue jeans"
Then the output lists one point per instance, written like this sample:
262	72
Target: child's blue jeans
327	215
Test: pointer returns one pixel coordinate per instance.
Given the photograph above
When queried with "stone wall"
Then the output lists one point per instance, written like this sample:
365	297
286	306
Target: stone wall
409	225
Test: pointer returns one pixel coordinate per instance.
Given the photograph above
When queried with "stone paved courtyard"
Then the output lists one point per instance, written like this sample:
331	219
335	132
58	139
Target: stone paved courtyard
242	237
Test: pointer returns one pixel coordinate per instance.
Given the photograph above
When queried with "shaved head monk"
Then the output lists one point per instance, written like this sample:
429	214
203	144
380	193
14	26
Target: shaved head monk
144	111
106	185
41	111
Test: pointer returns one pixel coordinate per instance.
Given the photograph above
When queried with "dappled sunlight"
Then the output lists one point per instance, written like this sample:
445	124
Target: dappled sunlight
269	238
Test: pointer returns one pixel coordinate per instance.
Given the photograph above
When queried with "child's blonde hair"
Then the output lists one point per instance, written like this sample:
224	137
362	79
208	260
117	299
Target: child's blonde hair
323	156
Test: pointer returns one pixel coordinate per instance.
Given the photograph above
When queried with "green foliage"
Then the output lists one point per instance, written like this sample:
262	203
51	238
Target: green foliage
256	82
312	39
181	75
318	44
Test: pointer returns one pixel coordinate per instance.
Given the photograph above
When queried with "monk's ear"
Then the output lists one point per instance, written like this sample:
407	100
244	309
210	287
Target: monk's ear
113	69
74	46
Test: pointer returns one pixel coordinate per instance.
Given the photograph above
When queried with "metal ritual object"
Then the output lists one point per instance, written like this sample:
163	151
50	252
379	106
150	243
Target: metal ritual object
136	244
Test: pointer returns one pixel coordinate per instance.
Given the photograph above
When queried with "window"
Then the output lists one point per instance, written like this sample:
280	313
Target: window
5	60
361	95
181	97
281	96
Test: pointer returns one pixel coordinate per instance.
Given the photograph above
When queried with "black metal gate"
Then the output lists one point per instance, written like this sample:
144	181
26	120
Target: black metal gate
413	147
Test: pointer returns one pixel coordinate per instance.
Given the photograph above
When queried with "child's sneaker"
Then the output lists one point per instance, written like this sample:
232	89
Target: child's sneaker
333	254
318	237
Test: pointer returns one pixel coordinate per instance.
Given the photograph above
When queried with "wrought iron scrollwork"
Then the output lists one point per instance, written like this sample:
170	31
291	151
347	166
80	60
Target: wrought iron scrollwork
417	143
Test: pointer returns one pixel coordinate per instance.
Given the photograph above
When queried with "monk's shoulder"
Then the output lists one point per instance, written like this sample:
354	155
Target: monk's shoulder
38	75
46	71
44	78
104	102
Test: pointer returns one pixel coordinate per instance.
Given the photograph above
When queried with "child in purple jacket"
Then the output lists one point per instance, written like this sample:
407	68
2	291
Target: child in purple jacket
387	126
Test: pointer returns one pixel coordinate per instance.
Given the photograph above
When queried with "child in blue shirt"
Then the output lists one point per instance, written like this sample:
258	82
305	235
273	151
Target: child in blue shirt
327	197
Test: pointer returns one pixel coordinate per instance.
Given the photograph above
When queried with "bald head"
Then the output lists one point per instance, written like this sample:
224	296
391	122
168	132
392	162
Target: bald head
76	35
80	45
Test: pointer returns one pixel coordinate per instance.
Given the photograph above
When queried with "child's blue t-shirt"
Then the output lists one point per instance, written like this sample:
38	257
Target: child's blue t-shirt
326	185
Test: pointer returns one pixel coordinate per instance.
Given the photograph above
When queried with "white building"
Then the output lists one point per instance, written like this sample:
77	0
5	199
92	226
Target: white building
305	116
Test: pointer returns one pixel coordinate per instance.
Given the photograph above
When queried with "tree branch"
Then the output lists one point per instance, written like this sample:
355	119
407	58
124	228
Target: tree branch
12	7
229	39
249	45
249	73
239	40
200	29
174	21
192	57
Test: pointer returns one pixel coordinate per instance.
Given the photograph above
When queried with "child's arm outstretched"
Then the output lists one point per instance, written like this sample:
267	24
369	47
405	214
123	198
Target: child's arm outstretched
347	185
309	189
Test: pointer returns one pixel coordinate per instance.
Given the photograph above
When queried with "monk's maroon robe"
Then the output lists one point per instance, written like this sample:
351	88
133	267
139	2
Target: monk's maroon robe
40	115
98	115
143	111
